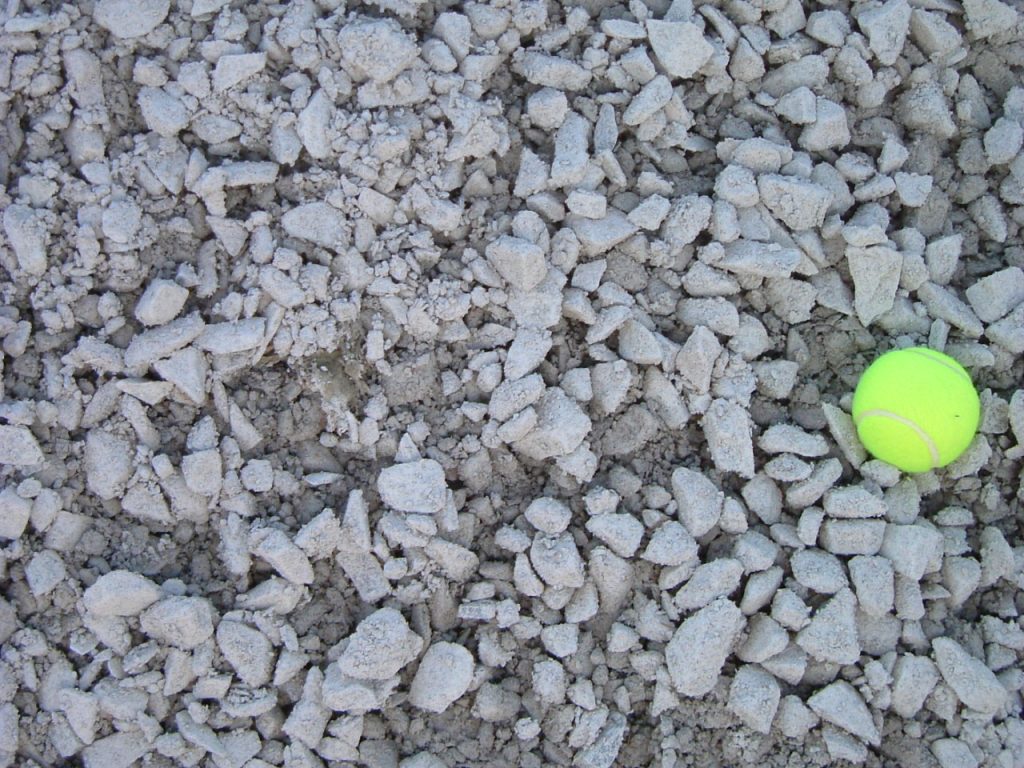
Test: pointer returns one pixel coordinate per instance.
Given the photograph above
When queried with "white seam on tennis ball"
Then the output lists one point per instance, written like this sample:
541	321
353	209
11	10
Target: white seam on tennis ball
958	371
925	437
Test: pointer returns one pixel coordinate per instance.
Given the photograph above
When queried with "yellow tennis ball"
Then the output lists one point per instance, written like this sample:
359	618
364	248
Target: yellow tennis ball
916	409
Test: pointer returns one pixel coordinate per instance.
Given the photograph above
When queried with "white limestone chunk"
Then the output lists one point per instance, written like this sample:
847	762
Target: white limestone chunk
680	46
876	275
671	545
874	581
548	515
913	678
415	486
727	427
163	113
19	447
554	72
319	223
248	651
444	675
840	704
621	532
986	18
160	302
231	337
28	237
997	294
108	463
281	553
120	593
380	647
830	129
561	427
698	499
184	622
797	203
911	548
518	261
973	682
719	578
886	27
832	633
697	651
234	69
557	560
754	697
44	572
130	18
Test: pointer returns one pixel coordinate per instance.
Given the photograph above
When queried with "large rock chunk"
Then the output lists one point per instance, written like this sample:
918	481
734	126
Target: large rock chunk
248	651
518	261
19	447
184	622
727	427
698	500
28	238
754	697
832	633
120	593
554	72
444	674
876	274
130	18
415	486
561	427
381	645
973	682
376	49
108	463
557	560
799	204
14	513
886	27
841	705
680	46
697	651
319	223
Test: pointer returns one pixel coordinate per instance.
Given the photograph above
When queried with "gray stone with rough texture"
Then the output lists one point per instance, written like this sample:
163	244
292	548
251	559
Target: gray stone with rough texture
557	560
380	647
754	697
697	651
247	650
680	46
28	237
120	593
699	501
130	18
876	274
414	486
996	295
444	675
727	427
798	203
561	427
518	261
832	634
184	622
19	447
841	705
886	27
913	678
973	682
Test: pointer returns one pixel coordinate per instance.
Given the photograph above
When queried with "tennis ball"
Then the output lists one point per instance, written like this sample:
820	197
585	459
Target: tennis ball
916	409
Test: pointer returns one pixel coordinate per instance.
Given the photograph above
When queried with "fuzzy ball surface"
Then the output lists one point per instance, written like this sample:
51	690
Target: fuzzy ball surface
916	408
